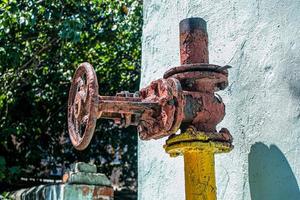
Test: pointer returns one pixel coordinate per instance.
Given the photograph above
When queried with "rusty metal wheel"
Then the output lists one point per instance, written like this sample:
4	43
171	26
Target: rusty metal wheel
82	106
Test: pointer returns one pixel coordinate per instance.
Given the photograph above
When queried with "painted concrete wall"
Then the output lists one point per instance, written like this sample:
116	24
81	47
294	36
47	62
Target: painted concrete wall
261	40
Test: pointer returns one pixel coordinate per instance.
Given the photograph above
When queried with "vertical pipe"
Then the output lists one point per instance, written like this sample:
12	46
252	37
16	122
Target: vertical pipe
193	41
199	169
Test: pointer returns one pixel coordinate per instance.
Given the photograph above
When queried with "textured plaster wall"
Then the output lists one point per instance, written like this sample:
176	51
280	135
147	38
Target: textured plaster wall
261	40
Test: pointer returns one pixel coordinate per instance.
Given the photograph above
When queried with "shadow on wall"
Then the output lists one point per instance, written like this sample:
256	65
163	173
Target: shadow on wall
270	175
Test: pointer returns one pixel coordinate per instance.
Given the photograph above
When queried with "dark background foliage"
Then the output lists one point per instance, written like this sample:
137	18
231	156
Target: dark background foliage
41	44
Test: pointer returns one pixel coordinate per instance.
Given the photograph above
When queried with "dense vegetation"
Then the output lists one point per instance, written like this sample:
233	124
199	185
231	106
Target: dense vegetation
41	44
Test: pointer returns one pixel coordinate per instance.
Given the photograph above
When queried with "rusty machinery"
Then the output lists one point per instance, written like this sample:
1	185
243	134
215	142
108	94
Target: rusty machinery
183	99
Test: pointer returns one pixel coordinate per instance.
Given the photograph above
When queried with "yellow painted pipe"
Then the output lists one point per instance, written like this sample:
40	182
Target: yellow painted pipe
198	150
199	169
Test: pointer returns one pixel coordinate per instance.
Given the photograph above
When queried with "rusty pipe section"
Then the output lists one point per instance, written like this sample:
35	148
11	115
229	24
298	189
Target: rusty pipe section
125	110
184	98
193	41
199	80
152	109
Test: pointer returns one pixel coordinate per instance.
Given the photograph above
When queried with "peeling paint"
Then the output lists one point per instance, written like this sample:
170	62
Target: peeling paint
261	40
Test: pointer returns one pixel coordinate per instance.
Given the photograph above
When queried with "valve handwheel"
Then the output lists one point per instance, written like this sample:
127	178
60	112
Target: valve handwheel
82	106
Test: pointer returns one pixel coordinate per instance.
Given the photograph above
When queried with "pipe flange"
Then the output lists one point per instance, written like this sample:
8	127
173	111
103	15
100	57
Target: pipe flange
197	67
191	140
168	94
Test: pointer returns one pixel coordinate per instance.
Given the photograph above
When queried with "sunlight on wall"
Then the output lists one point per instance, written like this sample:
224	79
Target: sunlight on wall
261	40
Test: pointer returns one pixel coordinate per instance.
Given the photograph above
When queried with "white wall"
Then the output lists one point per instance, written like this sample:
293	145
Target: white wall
261	40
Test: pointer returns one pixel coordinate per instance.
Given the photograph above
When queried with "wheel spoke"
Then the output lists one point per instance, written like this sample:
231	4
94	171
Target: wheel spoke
77	130
85	89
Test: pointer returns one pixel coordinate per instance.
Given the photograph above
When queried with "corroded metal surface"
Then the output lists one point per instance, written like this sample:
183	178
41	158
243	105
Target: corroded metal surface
193	41
82	106
167	94
198	149
197	67
200	77
204	109
153	109
184	98
156	110
192	140
199	80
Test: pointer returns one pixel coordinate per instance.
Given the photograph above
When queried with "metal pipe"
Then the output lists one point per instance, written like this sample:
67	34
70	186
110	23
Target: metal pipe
199	140
198	165
199	170
193	41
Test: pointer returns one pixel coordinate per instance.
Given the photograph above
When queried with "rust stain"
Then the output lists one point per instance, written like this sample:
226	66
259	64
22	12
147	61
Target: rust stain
184	98
65	177
85	190
102	191
82	106
204	109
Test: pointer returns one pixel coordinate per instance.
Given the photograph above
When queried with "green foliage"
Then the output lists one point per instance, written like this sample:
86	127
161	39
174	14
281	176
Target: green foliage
5	196
2	168
41	44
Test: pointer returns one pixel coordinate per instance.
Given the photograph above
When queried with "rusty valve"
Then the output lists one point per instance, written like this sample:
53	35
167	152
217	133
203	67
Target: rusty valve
184	98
